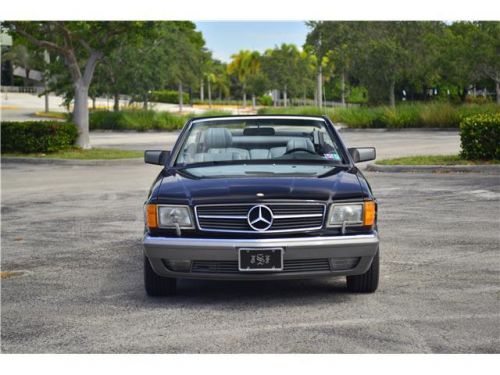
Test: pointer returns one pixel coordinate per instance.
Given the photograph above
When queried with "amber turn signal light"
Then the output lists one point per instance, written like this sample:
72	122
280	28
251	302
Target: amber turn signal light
151	218
369	213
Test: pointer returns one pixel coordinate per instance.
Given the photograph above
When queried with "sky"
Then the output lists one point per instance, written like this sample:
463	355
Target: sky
225	38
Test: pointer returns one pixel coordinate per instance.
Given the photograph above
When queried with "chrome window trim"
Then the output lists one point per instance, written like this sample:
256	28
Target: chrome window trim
270	202
347	223
236	118
188	126
173	226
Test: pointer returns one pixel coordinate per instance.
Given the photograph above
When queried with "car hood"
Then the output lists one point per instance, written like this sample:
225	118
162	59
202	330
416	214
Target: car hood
176	188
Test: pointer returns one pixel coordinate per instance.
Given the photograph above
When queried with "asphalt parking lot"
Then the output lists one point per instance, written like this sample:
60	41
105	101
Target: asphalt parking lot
74	234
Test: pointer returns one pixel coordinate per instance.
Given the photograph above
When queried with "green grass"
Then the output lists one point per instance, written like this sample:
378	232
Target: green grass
77	153
434	160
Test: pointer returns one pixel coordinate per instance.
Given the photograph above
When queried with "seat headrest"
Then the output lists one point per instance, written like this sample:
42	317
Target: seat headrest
303	143
217	138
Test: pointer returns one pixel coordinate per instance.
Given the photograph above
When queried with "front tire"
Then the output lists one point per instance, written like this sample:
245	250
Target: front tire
156	285
367	282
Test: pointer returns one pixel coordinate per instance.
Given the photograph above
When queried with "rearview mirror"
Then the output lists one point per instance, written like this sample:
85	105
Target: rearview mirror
360	154
157	157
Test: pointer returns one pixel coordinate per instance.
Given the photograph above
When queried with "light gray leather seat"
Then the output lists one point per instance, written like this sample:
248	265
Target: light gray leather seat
219	141
276	152
300	144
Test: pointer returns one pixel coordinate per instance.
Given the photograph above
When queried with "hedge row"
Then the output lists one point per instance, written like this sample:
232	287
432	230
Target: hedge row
264	100
141	120
413	115
37	136
168	96
480	137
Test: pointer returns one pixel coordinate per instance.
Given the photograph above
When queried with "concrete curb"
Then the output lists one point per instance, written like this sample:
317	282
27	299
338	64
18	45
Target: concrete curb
71	162
488	169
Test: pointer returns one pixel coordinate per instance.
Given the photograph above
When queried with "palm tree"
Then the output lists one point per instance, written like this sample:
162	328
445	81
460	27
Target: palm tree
20	56
244	64
254	63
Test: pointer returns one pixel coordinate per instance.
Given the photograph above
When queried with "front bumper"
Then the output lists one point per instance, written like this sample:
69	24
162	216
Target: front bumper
332	248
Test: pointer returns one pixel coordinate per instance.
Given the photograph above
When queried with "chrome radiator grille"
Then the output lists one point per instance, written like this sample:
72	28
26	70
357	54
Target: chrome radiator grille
282	217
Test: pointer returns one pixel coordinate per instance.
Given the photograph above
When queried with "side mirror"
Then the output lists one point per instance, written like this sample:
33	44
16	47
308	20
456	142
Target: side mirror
157	157
360	154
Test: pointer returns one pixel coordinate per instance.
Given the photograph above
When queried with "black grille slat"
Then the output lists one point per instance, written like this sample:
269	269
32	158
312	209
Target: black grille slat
296	210
224	210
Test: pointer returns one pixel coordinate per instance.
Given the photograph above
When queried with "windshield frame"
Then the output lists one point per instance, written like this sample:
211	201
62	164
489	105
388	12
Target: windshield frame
328	125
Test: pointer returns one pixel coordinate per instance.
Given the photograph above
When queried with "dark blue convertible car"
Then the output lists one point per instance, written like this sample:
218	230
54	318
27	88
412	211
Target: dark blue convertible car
260	197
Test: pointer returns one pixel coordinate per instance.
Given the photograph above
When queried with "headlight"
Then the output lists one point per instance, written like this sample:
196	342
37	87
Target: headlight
171	216
159	216
349	213
352	214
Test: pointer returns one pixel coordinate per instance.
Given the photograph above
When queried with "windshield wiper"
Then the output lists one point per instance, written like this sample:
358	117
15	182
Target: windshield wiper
268	173
335	170
202	164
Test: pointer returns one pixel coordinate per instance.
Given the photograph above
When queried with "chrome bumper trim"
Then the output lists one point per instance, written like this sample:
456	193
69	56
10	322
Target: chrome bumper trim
206	243
156	249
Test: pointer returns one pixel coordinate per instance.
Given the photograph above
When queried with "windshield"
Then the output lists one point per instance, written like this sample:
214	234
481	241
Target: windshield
260	141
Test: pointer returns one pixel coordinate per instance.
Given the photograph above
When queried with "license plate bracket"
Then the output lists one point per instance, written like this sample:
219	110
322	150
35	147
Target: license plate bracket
267	260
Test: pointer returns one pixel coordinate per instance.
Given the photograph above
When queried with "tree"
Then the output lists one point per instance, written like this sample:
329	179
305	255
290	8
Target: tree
20	56
338	40
81	45
244	64
219	79
488	55
307	66
187	54
257	85
281	66
383	56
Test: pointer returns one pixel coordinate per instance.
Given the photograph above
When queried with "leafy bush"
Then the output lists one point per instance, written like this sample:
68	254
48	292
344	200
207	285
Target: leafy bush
408	115
106	120
357	94
265	100
217	101
477	99
480	137
139	120
37	136
168	96
214	112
